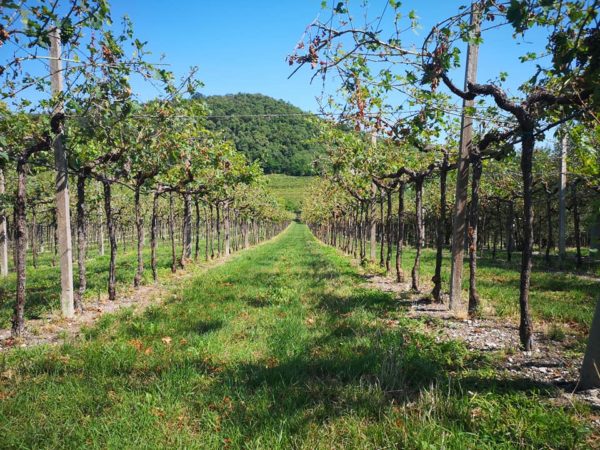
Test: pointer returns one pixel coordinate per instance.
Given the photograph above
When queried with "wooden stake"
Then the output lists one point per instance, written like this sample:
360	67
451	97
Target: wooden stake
373	231
63	213
562	216
462	177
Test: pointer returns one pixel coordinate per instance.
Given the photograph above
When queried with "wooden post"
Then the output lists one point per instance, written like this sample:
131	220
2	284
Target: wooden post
63	214
562	189
462	177
100	233
373	231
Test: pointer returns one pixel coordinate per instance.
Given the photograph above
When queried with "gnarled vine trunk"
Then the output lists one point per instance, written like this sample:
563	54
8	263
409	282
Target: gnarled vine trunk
212	231
172	234
473	223
382	234
436	293
3	232
18	321
245	233
139	226
590	369
112	239
419	230
388	258
526	326
227	226
153	233
197	249
206	232
187	229
218	230
100	233
373	230
400	239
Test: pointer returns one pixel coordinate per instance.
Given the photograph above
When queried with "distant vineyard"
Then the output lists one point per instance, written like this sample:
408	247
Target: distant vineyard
290	191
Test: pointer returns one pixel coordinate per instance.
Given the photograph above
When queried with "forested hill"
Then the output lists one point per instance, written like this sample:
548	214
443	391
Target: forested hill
282	143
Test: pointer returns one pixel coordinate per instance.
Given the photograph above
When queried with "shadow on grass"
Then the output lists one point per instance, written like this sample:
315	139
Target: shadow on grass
370	300
204	326
503	386
309	388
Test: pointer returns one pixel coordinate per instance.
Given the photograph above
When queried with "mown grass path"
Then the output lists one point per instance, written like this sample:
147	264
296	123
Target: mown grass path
279	348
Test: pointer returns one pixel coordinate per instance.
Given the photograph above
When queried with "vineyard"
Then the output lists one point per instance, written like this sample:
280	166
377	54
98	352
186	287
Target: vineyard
414	264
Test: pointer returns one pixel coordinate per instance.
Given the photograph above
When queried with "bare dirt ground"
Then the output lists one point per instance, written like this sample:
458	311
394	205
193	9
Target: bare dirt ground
552	362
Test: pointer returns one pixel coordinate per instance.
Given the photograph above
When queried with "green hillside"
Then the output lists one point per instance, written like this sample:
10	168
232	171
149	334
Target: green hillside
274	132
289	190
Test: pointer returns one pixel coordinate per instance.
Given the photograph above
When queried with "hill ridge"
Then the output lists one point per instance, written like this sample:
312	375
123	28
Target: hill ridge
284	144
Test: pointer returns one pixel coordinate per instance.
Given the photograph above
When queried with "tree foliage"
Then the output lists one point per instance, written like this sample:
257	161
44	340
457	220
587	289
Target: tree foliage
280	136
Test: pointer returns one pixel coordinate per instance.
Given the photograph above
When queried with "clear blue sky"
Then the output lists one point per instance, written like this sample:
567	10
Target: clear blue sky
240	46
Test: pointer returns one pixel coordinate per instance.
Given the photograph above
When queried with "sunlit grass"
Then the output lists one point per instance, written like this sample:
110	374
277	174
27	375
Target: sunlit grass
279	348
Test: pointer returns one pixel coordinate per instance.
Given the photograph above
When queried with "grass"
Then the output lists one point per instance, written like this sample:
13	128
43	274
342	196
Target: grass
555	296
279	348
289	190
43	286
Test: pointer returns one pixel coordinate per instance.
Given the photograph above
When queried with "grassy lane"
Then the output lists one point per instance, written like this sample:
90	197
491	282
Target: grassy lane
278	348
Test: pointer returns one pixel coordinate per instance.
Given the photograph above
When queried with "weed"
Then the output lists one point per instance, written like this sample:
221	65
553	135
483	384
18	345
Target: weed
556	333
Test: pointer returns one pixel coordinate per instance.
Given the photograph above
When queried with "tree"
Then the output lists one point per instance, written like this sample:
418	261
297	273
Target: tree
24	138
560	89
361	57
277	135
49	25
105	131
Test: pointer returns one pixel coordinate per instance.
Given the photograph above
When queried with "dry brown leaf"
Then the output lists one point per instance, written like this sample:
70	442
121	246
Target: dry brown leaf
137	344
8	374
